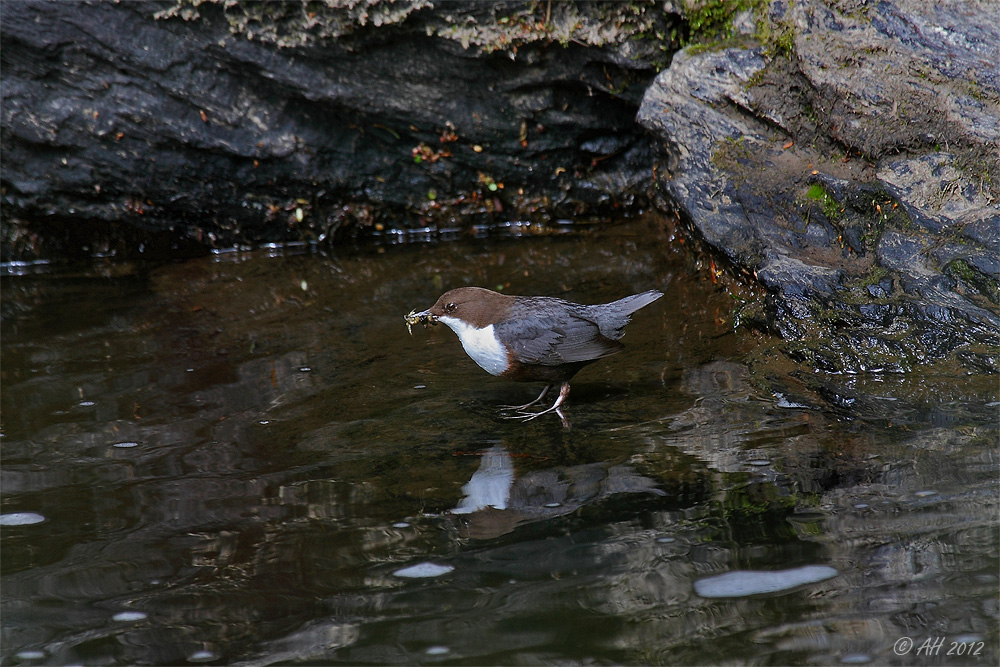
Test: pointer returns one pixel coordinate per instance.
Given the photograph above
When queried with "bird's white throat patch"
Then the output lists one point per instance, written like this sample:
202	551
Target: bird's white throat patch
480	344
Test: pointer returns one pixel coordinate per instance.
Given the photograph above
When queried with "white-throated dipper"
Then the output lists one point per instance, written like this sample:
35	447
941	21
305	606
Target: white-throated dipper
532	338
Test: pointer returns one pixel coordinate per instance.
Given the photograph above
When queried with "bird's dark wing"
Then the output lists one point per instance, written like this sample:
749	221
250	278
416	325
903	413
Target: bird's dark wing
554	338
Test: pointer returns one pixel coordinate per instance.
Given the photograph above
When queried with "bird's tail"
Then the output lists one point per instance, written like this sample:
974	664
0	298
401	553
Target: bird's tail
630	304
612	317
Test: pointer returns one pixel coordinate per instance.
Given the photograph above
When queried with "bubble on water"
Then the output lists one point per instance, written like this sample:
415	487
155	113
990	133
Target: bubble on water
20	519
423	571
855	658
924	494
129	616
126	444
860	506
553	504
666	540
420	386
741	583
400	524
86	404
203	656
30	655
759	462
437	650
304	369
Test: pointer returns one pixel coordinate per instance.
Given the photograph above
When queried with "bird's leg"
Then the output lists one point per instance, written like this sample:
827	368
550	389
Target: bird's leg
563	394
521	408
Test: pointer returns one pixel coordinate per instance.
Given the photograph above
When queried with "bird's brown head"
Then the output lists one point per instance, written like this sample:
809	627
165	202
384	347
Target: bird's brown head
475	305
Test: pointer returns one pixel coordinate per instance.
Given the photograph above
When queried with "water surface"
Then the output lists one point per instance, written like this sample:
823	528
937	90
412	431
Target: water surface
245	459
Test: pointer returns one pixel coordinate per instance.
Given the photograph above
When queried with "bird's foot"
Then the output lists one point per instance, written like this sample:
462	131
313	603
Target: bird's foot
522	408
522	415
528	416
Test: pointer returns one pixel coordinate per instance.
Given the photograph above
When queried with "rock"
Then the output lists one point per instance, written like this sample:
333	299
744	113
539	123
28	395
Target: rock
852	170
841	154
214	123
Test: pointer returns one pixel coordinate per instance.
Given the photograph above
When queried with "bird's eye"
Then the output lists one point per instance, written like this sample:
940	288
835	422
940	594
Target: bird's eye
450	308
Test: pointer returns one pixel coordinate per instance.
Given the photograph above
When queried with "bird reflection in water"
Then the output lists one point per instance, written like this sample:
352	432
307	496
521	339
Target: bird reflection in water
496	500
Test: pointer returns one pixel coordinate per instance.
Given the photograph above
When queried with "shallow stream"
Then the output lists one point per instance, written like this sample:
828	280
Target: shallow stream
245	459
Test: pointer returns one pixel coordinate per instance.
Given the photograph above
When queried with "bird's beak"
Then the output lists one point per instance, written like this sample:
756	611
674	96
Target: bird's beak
423	317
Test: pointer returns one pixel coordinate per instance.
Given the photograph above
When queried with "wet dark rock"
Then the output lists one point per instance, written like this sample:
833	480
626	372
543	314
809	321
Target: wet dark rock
225	123
852	172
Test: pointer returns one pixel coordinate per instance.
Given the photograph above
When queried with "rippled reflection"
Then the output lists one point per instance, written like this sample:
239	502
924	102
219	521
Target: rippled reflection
246	460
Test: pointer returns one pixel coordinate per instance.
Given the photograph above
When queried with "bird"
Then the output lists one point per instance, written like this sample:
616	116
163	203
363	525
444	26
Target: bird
532	338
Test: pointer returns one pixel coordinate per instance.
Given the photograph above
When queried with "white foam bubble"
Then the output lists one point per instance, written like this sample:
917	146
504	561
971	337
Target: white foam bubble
423	571
203	656
30	655
855	658
20	519
742	583
129	616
